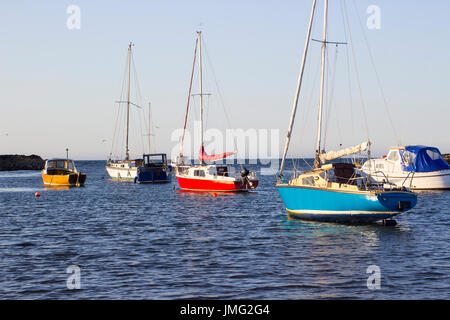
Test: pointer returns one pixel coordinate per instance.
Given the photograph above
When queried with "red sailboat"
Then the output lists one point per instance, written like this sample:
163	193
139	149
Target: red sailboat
210	177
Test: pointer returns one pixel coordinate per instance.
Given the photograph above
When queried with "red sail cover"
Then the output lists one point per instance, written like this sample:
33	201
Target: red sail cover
202	156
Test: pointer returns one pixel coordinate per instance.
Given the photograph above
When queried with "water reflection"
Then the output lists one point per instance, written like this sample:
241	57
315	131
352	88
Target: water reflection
334	256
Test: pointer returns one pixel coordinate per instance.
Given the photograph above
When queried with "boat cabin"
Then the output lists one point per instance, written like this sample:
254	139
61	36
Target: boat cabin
59	166
155	160
332	176
409	159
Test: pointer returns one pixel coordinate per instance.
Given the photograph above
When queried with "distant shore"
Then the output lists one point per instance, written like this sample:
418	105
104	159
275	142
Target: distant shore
447	157
11	162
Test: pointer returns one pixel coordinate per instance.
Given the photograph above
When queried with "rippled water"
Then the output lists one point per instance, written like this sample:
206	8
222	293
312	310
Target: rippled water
151	242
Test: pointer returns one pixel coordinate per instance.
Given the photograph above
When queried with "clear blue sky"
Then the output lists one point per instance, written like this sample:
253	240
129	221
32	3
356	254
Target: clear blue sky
58	86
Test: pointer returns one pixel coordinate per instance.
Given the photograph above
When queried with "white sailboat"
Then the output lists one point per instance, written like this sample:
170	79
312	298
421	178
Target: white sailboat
126	169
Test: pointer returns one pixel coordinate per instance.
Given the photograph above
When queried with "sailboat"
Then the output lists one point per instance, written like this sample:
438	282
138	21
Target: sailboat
209	177
335	192
126	169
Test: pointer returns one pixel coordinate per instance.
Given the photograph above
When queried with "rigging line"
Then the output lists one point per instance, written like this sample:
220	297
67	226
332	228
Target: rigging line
357	74
140	127
219	93
311	167
348	71
377	76
116	134
326	101
188	98
308	105
137	88
137	93
330	101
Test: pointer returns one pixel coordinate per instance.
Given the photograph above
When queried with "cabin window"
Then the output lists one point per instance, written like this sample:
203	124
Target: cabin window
222	171
199	173
433	155
155	159
408	157
60	164
393	156
309	181
379	166
70	165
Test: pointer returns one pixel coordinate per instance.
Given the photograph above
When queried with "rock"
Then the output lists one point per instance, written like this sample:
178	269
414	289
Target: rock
447	157
10	162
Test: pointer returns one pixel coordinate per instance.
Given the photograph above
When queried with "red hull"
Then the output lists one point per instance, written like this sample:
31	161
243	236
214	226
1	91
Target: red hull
213	185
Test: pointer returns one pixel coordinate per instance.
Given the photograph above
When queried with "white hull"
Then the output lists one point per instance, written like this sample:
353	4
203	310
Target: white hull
415	180
392	168
121	171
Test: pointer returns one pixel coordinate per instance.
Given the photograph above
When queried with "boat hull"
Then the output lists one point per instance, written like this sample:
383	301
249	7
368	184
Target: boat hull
338	206
122	174
70	180
153	175
215	185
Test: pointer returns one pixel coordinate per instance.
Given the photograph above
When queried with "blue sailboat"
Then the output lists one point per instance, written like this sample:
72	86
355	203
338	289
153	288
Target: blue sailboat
336	192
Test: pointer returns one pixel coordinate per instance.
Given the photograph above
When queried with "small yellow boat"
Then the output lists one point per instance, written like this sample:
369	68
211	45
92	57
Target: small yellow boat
62	172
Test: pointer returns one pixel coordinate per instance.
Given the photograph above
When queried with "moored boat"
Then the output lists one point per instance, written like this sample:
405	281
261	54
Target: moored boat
336	192
214	178
154	169
62	172
209	177
123	170
126	169
414	166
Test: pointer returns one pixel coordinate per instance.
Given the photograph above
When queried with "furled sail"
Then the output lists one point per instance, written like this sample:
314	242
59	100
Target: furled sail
202	156
330	155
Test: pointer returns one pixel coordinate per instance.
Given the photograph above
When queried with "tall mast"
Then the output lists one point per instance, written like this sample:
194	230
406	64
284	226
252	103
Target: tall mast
201	88
297	93
127	151
322	81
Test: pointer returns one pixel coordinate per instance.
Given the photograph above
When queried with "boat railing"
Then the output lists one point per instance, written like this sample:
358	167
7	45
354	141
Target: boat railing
385	181
410	181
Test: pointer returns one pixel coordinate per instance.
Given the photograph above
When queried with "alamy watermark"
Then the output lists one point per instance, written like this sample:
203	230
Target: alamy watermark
374	18
73	21
374	280
74	279
253	146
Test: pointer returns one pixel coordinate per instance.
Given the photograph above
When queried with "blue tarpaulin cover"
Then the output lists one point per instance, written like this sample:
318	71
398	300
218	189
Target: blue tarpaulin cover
422	159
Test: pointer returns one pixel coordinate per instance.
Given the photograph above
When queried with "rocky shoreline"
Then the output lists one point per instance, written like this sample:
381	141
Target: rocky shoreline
447	157
11	162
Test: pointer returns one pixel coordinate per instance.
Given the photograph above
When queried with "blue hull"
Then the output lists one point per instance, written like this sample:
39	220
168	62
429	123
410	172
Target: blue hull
335	206
153	175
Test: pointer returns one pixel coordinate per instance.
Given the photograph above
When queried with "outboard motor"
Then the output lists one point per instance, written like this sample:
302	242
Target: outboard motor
244	172
245	180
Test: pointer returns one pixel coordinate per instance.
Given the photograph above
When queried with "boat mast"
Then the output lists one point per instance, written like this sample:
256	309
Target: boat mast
127	151
297	93
201	88
322	80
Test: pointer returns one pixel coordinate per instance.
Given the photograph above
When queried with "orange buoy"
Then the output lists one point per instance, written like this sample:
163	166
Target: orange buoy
214	194
37	194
